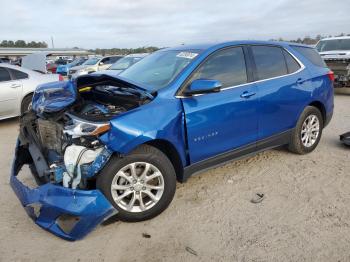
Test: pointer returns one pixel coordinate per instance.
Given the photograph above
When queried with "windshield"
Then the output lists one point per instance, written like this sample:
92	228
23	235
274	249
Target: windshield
91	61
335	44
123	63
77	62
157	70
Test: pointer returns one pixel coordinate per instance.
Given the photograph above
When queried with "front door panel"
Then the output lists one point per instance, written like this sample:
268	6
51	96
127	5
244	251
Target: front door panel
219	122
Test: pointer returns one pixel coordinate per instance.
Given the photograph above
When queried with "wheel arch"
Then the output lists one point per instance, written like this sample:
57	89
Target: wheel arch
320	106
171	152
30	93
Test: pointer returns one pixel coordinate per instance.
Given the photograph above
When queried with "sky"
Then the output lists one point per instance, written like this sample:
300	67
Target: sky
136	23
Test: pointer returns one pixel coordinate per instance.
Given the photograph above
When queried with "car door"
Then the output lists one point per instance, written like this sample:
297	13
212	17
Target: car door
281	83
10	91
226	120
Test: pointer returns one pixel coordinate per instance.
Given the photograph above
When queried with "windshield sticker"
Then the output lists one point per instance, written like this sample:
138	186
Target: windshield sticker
188	55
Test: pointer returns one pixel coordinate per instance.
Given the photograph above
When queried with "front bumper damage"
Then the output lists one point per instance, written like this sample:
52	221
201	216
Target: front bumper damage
68	213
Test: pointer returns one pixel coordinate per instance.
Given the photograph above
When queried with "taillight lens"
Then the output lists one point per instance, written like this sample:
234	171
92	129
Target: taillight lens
60	78
331	75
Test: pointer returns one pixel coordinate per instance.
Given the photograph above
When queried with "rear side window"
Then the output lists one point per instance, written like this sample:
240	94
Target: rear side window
4	75
227	66
269	61
109	60
114	59
18	74
311	54
292	64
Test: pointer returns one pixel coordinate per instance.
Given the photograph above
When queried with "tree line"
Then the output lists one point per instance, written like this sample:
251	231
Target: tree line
308	40
124	51
22	43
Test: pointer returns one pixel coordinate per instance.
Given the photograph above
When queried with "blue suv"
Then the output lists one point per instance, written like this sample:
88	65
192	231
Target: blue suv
104	145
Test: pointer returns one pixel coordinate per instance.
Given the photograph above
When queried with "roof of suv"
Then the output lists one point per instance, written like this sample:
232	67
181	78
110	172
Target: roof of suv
237	42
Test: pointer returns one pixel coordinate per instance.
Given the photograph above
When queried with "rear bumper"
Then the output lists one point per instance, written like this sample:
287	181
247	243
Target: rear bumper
67	213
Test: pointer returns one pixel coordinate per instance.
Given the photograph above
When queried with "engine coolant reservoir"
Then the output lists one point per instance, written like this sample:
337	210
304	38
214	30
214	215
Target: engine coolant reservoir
74	156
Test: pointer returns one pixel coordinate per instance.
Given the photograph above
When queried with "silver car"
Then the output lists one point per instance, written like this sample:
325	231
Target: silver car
92	65
123	64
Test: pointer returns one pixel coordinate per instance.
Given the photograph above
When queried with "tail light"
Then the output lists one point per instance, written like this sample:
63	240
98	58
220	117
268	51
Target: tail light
60	78
330	74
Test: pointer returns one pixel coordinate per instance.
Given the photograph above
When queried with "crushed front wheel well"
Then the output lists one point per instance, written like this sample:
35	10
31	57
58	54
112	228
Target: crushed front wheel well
170	151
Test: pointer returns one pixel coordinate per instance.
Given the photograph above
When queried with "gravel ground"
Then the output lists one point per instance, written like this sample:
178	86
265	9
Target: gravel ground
304	216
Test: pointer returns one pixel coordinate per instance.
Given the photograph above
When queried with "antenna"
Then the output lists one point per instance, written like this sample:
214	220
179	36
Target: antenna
53	46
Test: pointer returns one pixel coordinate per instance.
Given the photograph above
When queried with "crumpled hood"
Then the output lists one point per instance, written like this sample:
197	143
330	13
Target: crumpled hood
53	97
335	54
56	96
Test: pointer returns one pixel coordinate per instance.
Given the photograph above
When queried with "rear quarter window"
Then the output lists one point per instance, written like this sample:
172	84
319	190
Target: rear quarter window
311	55
16	74
292	64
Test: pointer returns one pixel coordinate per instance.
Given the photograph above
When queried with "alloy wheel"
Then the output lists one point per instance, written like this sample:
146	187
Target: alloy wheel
137	187
310	130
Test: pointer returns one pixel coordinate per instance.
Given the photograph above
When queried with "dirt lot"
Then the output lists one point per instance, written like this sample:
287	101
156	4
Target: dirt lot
304	217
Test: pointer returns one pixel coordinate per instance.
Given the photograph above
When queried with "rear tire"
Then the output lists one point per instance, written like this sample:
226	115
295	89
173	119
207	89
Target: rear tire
128	176
308	131
26	103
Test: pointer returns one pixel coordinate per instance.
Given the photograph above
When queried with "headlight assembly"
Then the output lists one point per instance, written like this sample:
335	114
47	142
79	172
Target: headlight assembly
81	127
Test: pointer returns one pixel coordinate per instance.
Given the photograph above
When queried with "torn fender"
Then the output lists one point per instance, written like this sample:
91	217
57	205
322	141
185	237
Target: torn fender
162	119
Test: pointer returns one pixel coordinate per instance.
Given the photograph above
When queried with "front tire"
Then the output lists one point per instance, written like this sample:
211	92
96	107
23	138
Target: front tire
308	131
26	104
139	185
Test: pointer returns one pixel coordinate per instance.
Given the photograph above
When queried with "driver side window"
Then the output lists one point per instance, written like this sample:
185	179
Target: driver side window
227	65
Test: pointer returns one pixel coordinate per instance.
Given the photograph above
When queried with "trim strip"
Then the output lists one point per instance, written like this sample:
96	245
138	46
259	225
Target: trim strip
238	153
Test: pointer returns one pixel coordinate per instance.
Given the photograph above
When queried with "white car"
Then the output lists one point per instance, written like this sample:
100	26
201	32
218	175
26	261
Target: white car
17	85
335	51
123	63
92	65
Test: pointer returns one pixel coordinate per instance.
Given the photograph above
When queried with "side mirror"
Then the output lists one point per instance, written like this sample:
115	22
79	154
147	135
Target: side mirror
100	63
203	86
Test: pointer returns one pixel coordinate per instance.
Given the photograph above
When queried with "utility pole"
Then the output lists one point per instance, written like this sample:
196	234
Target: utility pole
52	42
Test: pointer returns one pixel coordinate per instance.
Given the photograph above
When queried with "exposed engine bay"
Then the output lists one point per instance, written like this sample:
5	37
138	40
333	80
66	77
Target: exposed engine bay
68	140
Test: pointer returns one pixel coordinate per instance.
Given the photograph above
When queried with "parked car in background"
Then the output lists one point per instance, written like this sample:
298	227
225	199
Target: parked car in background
63	69
117	144
123	63
17	86
335	51
5	60
93	64
52	66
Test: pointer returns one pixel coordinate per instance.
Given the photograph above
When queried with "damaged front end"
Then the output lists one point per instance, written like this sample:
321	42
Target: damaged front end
60	141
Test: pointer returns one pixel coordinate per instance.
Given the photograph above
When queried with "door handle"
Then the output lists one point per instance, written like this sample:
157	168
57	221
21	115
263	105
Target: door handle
300	81
15	85
247	94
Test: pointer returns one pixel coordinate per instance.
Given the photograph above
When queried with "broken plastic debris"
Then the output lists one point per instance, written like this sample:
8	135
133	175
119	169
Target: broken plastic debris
145	235
258	197
190	250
